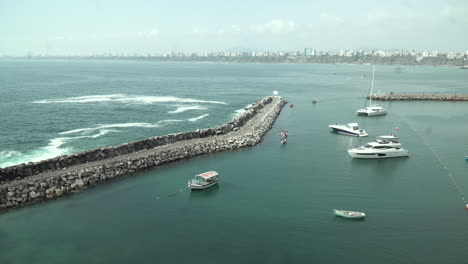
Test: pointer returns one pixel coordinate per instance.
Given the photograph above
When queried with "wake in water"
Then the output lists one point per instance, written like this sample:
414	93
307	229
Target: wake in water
123	98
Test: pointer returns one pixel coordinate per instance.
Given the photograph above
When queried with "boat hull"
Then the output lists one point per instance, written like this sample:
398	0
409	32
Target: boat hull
194	187
363	154
347	132
349	214
370	113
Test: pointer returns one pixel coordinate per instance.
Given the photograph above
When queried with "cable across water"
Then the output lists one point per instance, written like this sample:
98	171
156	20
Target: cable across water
449	173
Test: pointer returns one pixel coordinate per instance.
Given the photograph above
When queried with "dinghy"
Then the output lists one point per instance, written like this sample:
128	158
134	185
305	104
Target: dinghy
349	214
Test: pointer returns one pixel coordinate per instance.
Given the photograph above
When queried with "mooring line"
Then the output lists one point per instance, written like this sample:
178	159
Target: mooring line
174	193
449	173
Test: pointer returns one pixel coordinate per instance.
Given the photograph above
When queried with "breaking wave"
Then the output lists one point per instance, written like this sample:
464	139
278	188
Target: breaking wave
239	112
53	149
197	118
120	125
123	98
182	109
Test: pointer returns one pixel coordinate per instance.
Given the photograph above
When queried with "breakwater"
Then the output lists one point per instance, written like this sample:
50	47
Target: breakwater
420	97
28	183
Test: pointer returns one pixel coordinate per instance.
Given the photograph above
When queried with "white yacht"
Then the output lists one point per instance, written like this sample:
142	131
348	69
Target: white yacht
351	129
378	150
371	110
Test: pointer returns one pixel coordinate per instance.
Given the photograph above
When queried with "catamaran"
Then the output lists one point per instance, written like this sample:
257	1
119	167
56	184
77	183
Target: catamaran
371	110
203	180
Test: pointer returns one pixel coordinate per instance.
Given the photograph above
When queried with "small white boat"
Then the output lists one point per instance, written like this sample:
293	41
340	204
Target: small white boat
378	150
349	214
284	141
351	129
371	110
203	180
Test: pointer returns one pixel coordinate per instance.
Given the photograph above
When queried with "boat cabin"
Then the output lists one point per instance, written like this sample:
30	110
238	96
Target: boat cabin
203	180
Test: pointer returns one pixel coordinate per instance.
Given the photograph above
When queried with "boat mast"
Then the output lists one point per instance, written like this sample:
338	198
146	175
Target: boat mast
371	86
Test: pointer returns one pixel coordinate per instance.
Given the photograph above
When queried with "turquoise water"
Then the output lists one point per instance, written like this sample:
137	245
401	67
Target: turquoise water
274	203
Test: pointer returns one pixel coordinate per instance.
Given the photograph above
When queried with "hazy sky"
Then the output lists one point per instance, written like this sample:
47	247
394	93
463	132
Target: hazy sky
94	26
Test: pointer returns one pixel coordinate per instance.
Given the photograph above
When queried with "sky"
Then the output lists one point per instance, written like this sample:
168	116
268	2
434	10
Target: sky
82	27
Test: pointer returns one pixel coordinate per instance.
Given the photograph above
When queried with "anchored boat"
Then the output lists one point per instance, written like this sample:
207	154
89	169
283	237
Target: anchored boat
371	110
203	180
351	129
349	214
378	150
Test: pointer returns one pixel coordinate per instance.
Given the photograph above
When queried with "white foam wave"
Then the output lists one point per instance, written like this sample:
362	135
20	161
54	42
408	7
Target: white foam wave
239	112
122	125
7	154
119	125
182	109
53	149
197	118
123	98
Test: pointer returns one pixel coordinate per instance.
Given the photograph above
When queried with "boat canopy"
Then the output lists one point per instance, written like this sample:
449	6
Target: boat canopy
207	175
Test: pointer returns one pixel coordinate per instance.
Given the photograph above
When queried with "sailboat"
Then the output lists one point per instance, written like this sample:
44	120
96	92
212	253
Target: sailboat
372	110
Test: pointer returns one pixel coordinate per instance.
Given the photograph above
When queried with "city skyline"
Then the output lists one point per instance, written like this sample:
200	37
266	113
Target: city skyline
96	27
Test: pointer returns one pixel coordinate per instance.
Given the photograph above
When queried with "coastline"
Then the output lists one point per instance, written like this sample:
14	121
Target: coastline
356	60
30	183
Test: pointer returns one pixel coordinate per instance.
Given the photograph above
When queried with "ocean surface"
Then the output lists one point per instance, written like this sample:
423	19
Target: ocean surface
273	203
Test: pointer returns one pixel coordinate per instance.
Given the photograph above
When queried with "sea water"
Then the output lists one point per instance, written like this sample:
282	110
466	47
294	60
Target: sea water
274	203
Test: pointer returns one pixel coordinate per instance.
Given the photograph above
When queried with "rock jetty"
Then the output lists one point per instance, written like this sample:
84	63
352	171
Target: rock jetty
25	184
419	97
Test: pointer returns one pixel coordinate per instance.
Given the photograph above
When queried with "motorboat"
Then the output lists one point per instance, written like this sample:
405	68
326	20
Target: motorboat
203	180
378	150
371	110
351	129
388	140
349	214
284	141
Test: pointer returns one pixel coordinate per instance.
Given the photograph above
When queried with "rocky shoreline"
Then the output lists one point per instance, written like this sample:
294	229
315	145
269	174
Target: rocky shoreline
25	184
420	97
